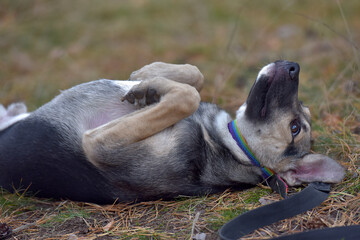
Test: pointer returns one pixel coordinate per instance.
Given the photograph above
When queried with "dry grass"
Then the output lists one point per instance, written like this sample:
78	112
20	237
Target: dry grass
46	46
178	219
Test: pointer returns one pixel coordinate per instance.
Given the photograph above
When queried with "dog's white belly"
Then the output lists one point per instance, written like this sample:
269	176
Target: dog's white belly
112	109
103	116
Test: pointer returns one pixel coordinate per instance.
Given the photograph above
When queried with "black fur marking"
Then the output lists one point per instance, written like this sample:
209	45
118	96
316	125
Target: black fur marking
290	150
256	99
32	154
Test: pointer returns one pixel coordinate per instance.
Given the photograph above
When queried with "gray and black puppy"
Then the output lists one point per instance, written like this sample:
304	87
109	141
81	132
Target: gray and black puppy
150	137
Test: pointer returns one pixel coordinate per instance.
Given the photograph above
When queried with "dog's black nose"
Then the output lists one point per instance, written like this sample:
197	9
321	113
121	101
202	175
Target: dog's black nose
293	69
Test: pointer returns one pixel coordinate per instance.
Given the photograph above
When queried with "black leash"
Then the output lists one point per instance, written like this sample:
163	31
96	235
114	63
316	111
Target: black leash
313	195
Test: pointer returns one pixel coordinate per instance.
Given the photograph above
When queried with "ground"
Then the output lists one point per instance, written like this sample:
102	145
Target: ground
50	45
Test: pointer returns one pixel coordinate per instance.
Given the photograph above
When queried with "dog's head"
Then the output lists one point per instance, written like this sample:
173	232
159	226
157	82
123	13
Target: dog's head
277	127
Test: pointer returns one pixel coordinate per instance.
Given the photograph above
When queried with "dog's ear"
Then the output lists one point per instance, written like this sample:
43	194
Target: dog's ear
314	168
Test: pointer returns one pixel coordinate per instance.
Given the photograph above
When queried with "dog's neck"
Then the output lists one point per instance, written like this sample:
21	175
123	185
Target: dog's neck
241	142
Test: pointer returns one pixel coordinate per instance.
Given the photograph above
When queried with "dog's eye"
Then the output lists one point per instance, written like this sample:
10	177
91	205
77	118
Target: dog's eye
295	127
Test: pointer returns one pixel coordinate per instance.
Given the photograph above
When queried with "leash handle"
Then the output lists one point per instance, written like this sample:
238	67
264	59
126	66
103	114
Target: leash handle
313	195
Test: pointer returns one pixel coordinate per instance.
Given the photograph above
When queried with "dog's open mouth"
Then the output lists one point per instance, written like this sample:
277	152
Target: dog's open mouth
275	86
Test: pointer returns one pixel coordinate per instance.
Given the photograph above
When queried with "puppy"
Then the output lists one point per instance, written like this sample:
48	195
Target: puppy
150	137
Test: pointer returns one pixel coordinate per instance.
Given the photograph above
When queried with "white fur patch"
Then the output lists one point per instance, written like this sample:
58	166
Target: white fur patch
221	124
241	111
8	121
126	85
265	70
221	120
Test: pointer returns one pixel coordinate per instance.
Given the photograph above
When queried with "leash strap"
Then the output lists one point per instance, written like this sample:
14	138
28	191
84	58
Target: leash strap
313	195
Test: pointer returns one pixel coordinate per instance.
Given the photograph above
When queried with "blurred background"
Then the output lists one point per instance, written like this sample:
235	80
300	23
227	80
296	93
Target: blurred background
46	46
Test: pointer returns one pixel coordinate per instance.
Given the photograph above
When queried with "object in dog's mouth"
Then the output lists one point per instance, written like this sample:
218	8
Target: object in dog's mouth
150	137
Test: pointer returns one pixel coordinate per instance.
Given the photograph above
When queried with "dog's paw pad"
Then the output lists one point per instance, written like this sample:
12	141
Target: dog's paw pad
142	97
130	97
138	94
152	96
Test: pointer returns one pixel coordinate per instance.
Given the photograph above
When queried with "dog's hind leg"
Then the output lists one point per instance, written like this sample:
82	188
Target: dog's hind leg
167	103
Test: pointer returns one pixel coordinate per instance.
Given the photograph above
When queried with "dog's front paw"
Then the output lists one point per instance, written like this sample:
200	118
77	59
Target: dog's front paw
142	95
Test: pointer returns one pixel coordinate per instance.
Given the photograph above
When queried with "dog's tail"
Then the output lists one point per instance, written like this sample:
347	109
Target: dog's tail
12	114
13	110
